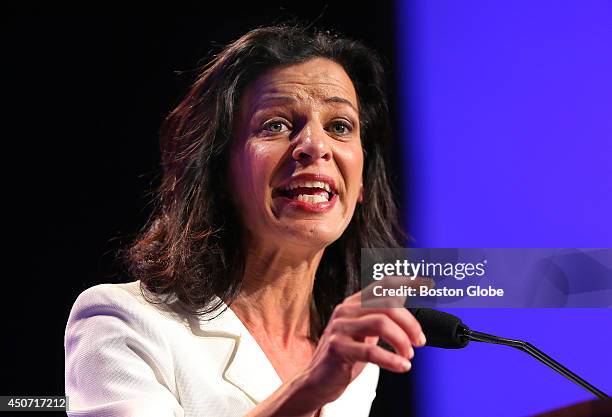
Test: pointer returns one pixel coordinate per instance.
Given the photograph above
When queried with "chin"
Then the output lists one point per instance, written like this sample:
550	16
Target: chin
312	234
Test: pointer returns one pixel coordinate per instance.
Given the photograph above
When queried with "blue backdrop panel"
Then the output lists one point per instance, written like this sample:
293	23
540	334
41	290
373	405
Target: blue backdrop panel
508	142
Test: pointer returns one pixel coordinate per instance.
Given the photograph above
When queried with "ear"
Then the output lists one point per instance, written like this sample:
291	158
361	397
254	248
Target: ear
360	198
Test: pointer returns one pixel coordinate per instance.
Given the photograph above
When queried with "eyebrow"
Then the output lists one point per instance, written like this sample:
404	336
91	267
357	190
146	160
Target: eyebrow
341	100
283	97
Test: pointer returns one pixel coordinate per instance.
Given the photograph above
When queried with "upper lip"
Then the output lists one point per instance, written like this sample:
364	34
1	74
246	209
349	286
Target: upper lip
310	177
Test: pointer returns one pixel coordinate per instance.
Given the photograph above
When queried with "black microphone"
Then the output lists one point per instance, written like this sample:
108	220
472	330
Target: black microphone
444	330
441	329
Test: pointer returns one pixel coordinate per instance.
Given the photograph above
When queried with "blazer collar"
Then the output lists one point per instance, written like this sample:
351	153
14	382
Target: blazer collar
248	367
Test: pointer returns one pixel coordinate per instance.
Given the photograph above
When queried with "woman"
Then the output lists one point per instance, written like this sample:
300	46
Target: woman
274	178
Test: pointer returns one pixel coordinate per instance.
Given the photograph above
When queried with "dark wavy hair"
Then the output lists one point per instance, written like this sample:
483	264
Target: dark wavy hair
191	247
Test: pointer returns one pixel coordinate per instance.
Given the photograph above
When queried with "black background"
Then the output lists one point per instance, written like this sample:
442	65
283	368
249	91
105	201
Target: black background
84	96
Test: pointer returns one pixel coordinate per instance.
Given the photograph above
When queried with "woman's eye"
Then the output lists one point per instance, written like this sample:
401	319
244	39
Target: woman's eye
275	126
340	128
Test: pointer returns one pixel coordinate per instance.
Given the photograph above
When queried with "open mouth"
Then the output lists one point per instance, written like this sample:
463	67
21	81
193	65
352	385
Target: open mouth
306	191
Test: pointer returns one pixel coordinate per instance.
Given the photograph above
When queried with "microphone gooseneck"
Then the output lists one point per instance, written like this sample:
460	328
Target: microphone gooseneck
445	330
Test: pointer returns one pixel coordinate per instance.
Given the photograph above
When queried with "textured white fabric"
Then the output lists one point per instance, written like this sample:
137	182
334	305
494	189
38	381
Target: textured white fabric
128	357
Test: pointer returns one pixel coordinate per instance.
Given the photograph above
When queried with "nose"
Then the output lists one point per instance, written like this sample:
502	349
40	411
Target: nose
311	145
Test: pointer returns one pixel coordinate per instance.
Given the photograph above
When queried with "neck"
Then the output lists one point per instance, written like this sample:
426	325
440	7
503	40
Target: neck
276	294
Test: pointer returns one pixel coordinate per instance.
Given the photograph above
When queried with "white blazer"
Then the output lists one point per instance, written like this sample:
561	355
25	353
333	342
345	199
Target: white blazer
128	357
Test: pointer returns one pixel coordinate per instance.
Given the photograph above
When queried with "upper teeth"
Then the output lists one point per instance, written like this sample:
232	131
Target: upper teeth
309	184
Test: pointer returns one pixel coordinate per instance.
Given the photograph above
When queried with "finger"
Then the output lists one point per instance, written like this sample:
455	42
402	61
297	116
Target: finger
401	316
354	298
376	325
353	351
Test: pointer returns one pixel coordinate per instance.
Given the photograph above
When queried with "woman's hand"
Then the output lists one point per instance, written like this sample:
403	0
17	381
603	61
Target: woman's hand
350	341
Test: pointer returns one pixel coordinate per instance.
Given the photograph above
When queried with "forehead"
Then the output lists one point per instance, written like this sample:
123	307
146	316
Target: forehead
317	80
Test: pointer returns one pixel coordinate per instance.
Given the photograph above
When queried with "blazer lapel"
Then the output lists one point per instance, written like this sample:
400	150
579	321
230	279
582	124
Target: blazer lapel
248	367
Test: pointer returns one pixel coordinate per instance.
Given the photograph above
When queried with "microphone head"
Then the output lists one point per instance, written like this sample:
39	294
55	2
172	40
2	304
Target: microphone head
441	329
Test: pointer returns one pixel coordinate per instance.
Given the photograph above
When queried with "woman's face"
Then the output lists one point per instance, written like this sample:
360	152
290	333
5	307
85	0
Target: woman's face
296	158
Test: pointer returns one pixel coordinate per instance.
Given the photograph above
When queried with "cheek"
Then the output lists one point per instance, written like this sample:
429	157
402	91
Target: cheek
252	167
350	162
262	160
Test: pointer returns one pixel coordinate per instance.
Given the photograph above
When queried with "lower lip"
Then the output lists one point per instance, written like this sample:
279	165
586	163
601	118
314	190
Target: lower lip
321	207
